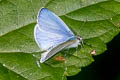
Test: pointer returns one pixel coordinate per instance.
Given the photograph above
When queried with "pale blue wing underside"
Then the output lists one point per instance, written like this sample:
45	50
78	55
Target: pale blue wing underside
50	32
48	21
46	40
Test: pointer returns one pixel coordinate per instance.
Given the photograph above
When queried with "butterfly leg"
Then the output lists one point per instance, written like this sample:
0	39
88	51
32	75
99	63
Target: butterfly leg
68	53
38	63
76	51
81	44
65	62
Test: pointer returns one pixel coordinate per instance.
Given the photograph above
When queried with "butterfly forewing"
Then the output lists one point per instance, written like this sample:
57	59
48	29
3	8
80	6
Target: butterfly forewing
50	22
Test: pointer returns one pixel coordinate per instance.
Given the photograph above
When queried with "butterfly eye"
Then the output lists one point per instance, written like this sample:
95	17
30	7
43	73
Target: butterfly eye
79	38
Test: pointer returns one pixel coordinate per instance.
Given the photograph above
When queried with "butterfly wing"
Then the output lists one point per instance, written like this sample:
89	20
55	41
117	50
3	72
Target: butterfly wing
50	32
48	21
46	40
46	55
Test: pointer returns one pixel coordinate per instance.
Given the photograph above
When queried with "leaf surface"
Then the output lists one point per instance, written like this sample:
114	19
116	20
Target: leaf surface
97	21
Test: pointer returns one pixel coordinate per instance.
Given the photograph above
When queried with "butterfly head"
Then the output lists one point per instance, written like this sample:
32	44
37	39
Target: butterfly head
79	38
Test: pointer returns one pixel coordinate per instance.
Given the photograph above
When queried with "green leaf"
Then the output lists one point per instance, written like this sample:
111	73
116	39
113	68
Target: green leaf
6	74
25	65
97	21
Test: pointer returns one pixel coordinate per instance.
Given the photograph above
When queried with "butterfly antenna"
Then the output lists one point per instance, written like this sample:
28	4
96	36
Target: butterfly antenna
82	44
81	41
83	25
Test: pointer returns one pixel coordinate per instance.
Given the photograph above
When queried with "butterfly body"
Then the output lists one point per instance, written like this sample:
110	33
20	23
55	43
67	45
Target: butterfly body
52	34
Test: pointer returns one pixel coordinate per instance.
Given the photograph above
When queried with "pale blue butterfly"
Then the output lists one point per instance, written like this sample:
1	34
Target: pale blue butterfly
52	34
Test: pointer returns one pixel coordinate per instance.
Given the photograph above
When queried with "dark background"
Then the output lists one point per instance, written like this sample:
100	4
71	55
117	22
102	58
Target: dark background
106	65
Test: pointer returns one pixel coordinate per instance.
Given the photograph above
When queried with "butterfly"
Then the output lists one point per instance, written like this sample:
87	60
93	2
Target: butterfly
53	35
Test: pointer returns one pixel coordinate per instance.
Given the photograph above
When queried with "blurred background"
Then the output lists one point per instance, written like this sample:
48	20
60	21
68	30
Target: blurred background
106	65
